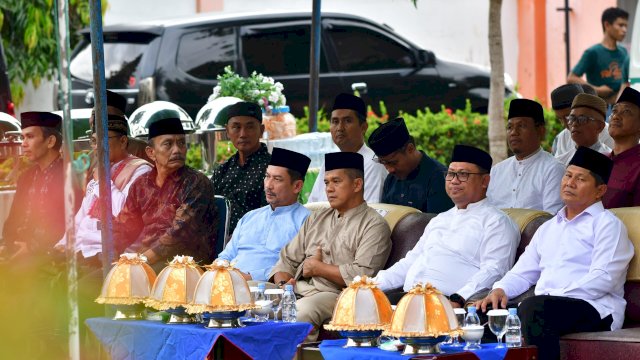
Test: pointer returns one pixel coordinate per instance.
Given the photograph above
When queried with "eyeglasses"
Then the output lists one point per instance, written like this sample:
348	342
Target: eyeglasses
386	162
579	120
94	141
462	175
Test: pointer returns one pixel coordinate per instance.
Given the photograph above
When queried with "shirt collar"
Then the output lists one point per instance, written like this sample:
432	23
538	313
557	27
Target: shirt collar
625	154
529	159
351	212
260	152
472	206
593	210
286	208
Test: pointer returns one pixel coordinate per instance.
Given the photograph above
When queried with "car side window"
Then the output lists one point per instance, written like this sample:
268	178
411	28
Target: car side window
278	51
362	49
204	54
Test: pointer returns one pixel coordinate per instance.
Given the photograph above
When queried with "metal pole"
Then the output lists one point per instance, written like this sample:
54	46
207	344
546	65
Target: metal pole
567	38
314	66
70	179
100	105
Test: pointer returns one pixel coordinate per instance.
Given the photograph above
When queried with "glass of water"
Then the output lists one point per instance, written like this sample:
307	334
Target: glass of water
497	324
275	295
460	313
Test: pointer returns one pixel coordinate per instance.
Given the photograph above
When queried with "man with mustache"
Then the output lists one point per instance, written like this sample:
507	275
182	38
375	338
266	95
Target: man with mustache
348	126
577	261
623	188
414	178
171	209
125	169
585	122
463	250
261	233
334	245
531	177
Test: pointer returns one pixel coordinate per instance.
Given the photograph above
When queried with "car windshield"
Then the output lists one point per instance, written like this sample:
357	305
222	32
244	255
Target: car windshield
121	61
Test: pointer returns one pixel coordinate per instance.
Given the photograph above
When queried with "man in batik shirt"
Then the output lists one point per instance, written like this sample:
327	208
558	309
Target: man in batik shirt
170	210
240	179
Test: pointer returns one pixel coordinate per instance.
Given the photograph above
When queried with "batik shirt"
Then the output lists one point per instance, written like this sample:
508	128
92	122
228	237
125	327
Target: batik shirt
242	185
180	218
37	211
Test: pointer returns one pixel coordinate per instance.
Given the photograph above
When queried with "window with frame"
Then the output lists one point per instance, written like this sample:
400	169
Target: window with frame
204	54
362	49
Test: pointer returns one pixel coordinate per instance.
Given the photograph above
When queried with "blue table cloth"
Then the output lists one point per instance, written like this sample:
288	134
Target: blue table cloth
154	340
333	349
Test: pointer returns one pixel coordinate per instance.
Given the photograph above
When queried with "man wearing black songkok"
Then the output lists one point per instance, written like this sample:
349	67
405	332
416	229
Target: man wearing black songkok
414	178
577	262
36	219
334	245
171	209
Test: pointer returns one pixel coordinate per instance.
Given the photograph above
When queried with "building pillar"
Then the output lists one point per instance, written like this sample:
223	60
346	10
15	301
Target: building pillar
532	52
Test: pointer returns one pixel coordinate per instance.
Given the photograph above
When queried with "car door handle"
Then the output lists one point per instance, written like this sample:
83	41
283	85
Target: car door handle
453	85
360	87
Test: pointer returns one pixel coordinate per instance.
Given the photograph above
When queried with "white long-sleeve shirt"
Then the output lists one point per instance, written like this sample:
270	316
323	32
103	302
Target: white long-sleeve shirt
88	237
583	258
374	175
531	183
461	251
567	156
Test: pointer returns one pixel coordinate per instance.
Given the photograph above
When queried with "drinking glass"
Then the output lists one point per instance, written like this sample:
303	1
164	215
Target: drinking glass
497	324
275	295
460	313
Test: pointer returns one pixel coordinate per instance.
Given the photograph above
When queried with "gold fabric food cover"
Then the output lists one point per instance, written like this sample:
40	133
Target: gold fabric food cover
221	288
128	282
175	284
361	306
423	312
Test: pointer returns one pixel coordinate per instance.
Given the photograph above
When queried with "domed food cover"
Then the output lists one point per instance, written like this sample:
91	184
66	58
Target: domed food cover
423	312
129	282
361	306
175	285
213	114
221	288
143	116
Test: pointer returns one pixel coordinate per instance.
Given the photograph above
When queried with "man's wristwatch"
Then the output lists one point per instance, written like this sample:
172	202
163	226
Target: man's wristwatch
456	298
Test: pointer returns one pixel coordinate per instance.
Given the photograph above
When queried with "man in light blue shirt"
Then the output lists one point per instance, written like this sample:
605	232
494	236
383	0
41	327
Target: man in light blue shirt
261	233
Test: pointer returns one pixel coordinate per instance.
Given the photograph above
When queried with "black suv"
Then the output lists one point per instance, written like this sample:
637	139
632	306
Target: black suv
6	105
178	61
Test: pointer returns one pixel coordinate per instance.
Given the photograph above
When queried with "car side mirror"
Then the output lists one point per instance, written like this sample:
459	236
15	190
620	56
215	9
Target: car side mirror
426	57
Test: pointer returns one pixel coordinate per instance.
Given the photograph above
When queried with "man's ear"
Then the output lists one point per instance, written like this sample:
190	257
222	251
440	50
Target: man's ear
485	181
150	153
51	141
358	184
297	186
601	190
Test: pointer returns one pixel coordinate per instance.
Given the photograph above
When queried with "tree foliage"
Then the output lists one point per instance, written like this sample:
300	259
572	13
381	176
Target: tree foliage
28	34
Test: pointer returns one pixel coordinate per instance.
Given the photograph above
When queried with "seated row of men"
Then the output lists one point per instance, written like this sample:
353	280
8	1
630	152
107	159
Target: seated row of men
170	210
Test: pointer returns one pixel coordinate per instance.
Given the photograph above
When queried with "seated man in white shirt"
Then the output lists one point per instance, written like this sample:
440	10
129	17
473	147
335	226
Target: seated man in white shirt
261	233
586	122
125	169
561	99
529	179
577	261
465	249
348	126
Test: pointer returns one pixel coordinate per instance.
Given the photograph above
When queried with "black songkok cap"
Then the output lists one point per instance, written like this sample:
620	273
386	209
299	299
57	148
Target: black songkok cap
343	160
526	108
389	137
470	154
630	95
115	123
352	102
290	160
166	123
40	118
117	101
562	96
244	108
593	161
